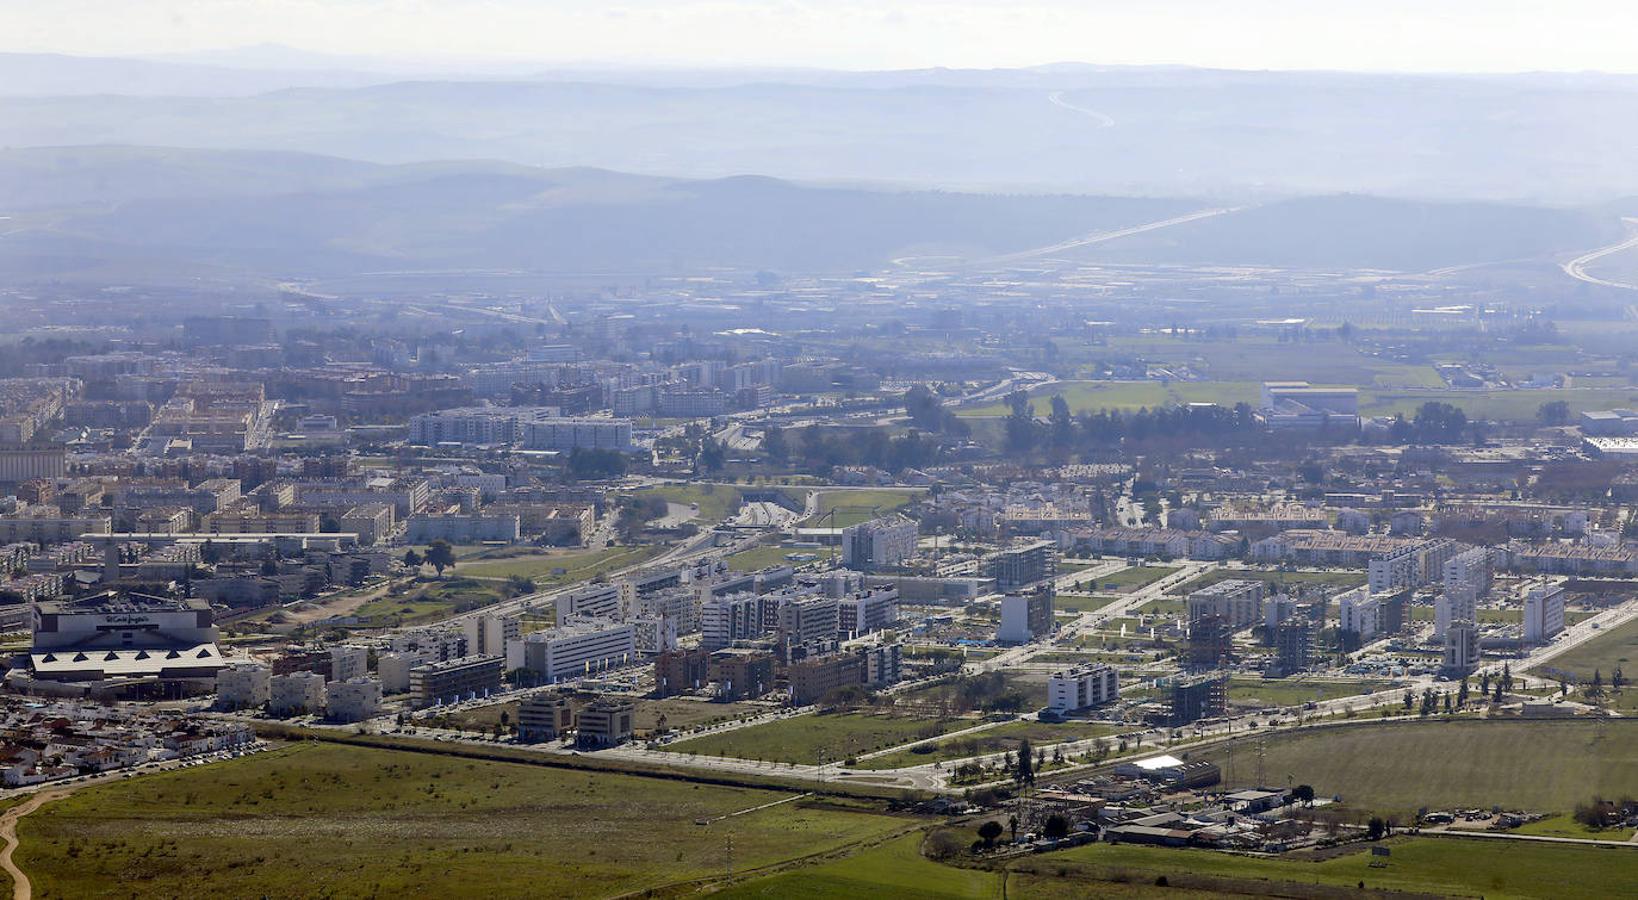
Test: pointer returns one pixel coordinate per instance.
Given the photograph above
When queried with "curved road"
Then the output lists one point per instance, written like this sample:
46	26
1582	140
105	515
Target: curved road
1577	268
20	887
1103	119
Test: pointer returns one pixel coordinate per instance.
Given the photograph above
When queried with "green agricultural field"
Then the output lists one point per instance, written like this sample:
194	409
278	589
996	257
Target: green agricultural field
1399	767
1128	580
896	869
838	736
1505	406
576	565
1277	581
331	820
1564	825
853	507
432	600
1296	691
991	740
1440	866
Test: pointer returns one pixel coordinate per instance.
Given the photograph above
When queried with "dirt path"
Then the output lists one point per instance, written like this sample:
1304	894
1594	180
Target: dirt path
20	887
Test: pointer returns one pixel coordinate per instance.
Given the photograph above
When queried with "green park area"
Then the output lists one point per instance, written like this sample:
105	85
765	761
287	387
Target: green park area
1396	768
853	507
999	739
1128	580
715	501
834	736
332	820
1082	602
1615	648
1278	581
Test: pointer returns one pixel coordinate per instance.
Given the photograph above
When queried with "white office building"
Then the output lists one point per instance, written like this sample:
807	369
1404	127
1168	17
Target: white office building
597	601
1082	687
574	651
1543	613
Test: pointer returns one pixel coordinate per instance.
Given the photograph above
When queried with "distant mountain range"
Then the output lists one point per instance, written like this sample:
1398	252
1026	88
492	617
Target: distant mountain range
118	212
1164	132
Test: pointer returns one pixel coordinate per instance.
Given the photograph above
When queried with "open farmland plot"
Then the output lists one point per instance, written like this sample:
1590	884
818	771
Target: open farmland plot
1399	767
326	819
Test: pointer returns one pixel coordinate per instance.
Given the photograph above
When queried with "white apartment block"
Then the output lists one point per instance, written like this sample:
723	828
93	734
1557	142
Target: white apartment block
1359	612
394	669
353	700
730	618
1238	601
244	686
347	662
572	651
488	634
1461	648
1543	613
1082	687
1452	607
677	606
868	611
569	433
1411	566
296	693
1468	575
878	543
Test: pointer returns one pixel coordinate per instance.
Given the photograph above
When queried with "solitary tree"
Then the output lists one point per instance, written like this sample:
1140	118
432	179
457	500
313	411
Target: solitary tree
1376	828
1304	794
1056	827
989	831
1025	772
441	556
413	560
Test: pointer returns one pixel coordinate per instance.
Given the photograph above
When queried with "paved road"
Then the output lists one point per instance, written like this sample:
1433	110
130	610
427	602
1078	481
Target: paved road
1102	236
1104	120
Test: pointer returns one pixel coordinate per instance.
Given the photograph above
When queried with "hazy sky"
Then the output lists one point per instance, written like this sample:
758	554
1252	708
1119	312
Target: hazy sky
1406	35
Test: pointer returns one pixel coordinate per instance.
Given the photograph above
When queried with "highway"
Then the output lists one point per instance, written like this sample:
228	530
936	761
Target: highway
1577	268
1099	237
1104	120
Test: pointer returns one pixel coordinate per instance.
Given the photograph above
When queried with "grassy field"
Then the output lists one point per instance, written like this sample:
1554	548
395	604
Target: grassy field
1615	647
1506	406
895	868
1127	580
432	600
560	567
1472	867
1082	602
1296	691
1396	768
992	740
853	507
329	820
1564	825
648	716
759	558
1278	581
716	501
838	735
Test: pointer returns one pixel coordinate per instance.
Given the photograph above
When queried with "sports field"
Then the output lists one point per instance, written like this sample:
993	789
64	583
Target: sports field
330	820
853	507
